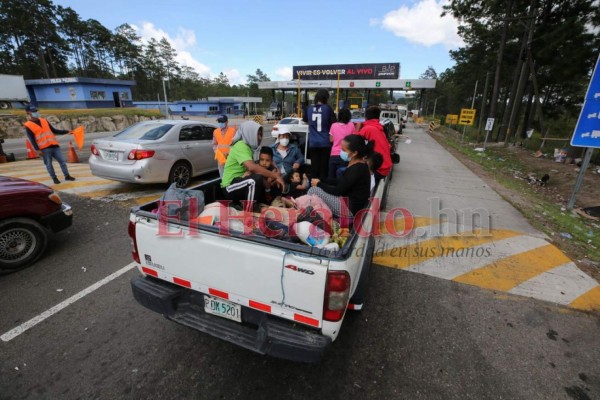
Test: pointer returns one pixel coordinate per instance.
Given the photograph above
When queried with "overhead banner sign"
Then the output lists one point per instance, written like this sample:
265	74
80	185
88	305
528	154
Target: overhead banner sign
467	116
347	71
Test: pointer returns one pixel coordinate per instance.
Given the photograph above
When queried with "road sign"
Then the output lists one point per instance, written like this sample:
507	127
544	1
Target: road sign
408	85
587	130
377	84
467	116
489	124
452	119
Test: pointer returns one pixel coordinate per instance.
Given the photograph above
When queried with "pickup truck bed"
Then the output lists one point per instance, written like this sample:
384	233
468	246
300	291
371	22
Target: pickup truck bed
273	297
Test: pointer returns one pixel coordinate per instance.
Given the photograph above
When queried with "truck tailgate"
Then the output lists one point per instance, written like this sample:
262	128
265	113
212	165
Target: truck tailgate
269	279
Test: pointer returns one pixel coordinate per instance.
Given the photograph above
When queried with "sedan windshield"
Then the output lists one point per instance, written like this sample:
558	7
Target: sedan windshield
145	131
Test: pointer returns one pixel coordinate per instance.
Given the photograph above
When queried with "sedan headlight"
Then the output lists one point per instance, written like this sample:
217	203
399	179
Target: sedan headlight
55	198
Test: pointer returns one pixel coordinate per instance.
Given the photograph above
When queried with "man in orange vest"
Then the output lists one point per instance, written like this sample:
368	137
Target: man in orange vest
41	136
222	137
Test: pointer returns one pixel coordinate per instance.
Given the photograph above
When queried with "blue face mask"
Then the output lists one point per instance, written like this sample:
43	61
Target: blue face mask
35	114
221	125
344	156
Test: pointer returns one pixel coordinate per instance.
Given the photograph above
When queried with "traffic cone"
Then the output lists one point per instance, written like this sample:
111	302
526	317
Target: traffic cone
73	159
78	134
31	153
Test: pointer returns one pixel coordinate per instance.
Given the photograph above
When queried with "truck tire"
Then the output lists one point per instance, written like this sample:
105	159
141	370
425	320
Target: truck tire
181	174
4	105
358	297
22	242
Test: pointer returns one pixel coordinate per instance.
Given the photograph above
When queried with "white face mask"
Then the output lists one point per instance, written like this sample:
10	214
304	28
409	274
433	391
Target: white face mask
284	142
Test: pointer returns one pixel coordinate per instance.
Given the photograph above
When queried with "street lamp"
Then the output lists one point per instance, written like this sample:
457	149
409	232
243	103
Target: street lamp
166	102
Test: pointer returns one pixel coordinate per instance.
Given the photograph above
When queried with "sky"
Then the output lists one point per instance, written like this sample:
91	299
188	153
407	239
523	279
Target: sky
237	37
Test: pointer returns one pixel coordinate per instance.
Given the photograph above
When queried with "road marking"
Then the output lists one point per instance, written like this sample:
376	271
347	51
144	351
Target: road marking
405	256
512	262
511	271
13	333
560	285
588	301
455	264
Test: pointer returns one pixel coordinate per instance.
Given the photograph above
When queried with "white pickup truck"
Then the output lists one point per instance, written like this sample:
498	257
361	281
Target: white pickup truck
283	299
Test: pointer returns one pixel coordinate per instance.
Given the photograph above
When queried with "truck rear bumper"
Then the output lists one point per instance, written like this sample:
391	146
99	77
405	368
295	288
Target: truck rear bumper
260	332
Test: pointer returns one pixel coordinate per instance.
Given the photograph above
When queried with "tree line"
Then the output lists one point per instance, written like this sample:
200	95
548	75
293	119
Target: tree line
39	39
531	59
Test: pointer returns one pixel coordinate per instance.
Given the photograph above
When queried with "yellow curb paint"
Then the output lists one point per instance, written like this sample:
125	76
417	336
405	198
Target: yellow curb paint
401	223
588	301
511	271
404	257
146	199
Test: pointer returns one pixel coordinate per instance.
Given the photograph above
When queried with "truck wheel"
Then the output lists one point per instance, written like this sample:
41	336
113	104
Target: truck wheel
22	242
4	105
181	174
358	298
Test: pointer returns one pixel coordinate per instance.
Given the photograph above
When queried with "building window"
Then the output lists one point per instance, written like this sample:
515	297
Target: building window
124	95
56	90
98	94
213	109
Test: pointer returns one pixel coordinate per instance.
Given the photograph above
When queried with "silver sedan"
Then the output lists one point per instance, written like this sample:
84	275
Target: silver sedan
155	152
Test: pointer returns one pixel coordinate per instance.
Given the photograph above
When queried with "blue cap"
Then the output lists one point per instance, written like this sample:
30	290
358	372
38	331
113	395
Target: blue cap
31	108
222	118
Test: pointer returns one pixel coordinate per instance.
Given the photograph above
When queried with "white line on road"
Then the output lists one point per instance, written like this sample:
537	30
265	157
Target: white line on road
13	333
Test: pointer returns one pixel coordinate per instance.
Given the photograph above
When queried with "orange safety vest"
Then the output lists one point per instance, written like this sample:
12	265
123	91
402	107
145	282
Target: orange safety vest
223	143
43	134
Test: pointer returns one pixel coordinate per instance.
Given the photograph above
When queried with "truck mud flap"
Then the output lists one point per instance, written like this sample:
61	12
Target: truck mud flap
265	334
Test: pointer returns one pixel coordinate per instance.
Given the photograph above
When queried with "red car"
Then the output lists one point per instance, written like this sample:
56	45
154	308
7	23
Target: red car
29	212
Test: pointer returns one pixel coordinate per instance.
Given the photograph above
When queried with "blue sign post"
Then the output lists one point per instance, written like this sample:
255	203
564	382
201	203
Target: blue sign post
587	130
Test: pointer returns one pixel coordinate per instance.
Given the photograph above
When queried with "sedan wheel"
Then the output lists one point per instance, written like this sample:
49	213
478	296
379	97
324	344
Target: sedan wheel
22	241
181	174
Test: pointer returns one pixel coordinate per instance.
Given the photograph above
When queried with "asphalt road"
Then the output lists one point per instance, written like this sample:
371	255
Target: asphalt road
417	338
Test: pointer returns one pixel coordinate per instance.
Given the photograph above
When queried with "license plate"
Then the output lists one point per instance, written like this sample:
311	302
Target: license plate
222	308
111	155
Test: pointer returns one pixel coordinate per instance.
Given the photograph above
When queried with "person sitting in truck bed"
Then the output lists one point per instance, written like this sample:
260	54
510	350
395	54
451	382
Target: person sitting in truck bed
240	160
286	156
354	186
371	129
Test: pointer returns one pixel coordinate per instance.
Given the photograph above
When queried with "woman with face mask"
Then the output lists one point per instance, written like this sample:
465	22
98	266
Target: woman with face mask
349	194
286	156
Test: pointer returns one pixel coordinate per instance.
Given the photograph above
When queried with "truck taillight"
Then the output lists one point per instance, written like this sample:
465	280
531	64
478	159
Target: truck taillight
94	150
134	250
337	291
140	154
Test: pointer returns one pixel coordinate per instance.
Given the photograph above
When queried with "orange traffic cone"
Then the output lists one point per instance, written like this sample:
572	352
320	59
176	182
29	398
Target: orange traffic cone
73	159
31	153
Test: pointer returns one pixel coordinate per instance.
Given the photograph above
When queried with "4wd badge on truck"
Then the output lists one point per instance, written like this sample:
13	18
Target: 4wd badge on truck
304	271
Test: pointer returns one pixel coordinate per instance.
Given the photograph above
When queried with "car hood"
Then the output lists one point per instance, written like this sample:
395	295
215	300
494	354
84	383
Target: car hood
12	185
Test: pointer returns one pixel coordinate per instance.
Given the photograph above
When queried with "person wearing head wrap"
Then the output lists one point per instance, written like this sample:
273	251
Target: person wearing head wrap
242	177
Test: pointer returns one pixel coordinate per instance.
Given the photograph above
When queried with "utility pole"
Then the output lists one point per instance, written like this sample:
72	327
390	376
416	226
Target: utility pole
472	105
523	76
482	111
497	73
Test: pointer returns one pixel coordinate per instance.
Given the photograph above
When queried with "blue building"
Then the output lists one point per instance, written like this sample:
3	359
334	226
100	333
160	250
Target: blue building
211	106
80	92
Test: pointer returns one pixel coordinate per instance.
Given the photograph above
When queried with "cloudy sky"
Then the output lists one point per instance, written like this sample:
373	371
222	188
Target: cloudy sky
237	37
